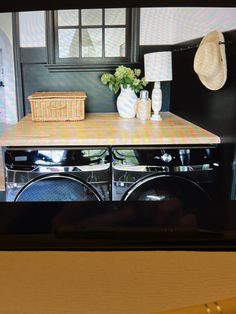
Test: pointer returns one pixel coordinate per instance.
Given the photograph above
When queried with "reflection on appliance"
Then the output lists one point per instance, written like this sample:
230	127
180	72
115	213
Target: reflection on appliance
182	180
66	174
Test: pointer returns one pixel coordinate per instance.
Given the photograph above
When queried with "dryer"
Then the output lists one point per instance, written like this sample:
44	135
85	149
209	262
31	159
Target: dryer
135	170
181	181
58	174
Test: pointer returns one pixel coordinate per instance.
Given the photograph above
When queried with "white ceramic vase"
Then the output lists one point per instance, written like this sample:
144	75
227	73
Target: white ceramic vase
127	103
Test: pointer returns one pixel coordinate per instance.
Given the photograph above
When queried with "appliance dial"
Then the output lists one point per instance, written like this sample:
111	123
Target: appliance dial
166	157
56	157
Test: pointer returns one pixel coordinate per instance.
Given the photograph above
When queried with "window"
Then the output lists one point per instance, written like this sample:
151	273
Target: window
32	29
92	35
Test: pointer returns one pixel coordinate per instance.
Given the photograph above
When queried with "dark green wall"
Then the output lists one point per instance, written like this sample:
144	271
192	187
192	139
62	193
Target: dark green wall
213	110
37	77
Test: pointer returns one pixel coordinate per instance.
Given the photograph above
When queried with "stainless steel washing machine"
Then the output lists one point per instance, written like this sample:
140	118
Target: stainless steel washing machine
155	173
171	187
58	174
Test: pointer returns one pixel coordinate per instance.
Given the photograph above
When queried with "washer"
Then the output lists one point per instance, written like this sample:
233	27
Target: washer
168	187
148	174
58	174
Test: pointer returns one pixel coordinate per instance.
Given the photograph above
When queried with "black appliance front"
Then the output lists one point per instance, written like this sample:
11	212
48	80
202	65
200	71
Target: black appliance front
183	181
64	174
158	196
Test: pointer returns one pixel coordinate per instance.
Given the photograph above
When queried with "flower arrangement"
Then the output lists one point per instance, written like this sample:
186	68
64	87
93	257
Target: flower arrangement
124	77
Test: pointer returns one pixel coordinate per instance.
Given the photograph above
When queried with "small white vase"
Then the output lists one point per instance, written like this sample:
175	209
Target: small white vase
127	103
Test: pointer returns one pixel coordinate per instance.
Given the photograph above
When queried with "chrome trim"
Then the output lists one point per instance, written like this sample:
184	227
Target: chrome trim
80	168
138	168
17	170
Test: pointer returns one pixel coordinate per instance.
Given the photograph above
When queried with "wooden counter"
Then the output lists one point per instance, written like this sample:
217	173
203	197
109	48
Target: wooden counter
107	129
113	282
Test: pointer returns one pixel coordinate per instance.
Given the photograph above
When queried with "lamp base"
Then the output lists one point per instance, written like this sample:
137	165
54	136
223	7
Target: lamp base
156	102
156	117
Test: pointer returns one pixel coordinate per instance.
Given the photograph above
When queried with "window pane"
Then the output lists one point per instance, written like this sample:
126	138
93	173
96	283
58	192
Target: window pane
115	42
92	42
68	43
92	17
115	16
68	17
32	29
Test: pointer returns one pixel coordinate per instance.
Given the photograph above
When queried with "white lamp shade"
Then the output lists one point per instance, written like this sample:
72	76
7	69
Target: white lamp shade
158	66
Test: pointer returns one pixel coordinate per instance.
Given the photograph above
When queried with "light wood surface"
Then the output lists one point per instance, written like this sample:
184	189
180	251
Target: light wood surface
107	129
113	282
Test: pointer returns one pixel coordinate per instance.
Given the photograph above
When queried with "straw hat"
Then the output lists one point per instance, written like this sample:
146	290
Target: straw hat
210	61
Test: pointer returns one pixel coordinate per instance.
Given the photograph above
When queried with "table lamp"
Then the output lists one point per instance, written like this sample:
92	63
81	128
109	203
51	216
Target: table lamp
158	67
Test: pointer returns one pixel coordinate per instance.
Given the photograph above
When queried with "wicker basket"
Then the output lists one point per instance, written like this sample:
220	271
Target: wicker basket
57	106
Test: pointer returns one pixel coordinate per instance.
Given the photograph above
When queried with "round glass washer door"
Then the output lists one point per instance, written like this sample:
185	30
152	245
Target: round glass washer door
165	187
57	188
179	201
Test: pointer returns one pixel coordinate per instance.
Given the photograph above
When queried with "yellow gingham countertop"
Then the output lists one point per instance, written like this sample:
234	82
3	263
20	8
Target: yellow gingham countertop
107	129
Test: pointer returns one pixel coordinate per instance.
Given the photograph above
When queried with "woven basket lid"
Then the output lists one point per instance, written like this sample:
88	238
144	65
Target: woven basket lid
69	94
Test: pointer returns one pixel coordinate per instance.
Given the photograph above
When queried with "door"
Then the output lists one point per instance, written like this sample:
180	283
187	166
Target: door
180	202
2	94
57	188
